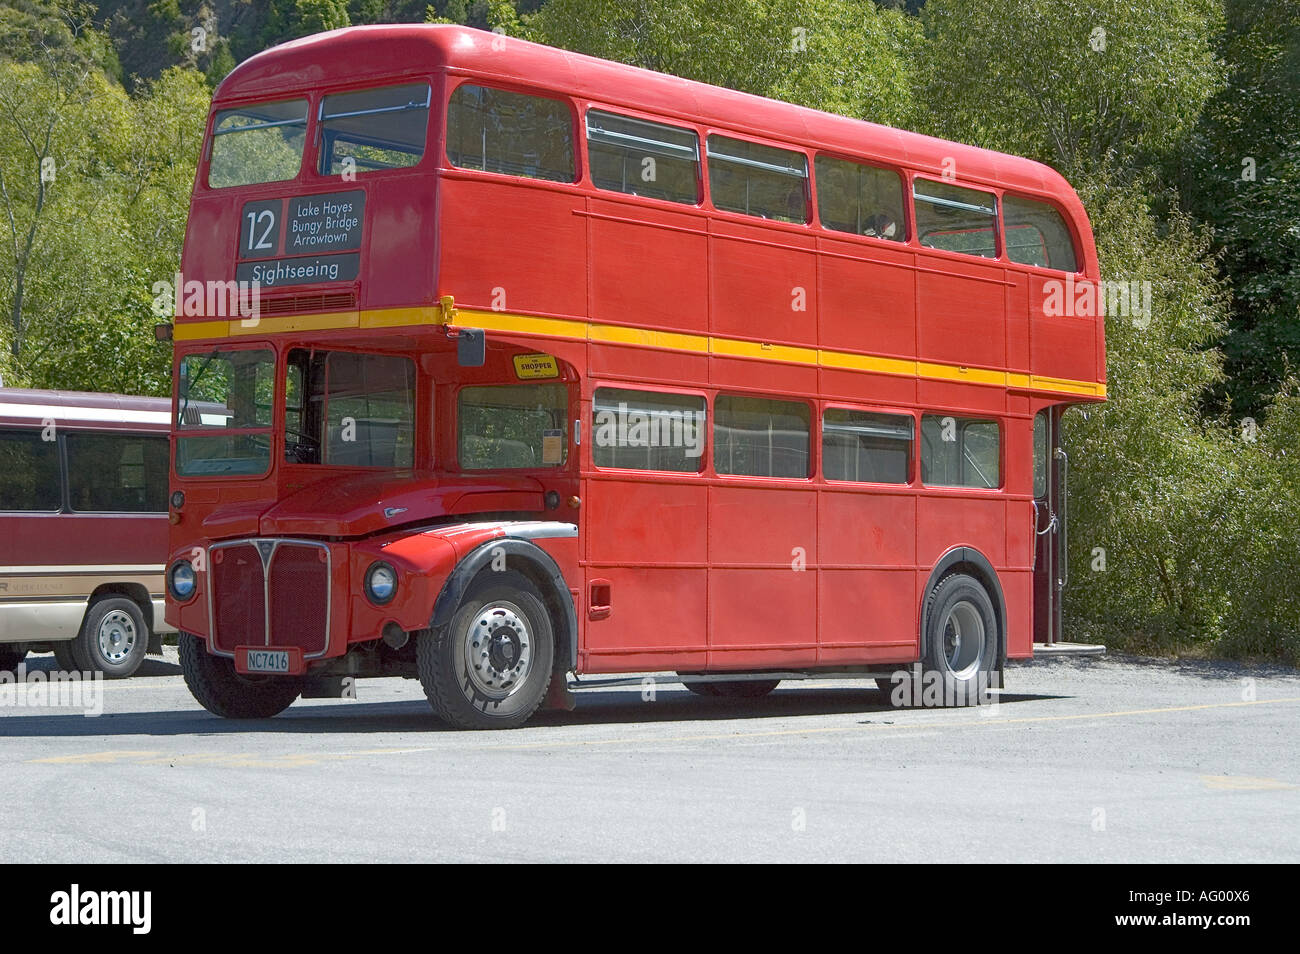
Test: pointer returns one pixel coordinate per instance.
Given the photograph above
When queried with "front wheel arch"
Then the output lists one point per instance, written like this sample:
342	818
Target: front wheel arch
525	557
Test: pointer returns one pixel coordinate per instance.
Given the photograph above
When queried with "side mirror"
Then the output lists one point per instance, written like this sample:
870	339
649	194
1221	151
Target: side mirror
471	347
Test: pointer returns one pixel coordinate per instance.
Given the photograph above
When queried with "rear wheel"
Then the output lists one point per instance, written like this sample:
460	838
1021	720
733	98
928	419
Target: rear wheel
114	638
212	680
65	657
961	639
11	655
491	666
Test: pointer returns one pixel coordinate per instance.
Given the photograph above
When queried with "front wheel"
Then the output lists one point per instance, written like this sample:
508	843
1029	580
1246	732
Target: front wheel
212	680
491	666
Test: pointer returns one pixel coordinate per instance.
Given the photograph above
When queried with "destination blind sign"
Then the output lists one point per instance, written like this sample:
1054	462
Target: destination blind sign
324	223
308	226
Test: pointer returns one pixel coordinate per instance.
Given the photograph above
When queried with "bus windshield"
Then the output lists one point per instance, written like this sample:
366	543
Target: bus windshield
349	410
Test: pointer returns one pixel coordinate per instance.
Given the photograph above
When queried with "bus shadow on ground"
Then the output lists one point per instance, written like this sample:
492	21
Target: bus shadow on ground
595	708
152	666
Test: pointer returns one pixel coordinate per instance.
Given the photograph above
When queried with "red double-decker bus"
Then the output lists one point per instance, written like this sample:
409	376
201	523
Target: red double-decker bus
562	367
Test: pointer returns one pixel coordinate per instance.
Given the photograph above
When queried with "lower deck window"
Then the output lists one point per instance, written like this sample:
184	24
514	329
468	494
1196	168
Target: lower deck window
867	448
760	437
647	430
959	452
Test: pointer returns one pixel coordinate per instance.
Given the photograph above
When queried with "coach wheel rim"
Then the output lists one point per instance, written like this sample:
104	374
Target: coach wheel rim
963	635
117	635
498	647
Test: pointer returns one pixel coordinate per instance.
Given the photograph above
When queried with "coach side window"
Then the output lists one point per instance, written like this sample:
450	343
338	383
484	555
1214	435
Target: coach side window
117	473
959	452
647	430
1037	235
760	437
864	200
765	181
865	447
495	130
643	158
30	467
956	219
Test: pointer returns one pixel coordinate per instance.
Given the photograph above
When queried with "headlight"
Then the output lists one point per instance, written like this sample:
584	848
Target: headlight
180	580
381	583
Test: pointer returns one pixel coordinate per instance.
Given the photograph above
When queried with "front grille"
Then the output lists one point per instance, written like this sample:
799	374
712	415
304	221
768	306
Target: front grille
299	591
281	583
239	597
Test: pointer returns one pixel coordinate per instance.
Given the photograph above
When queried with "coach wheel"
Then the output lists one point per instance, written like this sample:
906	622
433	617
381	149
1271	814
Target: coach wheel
491	666
739	689
114	638
961	639
11	655
65	657
213	681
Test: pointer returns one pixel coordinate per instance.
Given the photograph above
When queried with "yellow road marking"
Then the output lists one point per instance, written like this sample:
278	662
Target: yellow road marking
1243	783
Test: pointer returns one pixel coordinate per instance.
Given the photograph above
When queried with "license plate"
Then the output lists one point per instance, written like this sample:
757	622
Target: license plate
253	659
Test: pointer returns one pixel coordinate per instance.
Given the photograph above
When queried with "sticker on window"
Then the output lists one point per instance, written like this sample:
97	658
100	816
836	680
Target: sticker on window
552	445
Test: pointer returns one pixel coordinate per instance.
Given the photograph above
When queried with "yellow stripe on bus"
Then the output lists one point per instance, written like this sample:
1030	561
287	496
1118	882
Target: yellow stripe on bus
579	330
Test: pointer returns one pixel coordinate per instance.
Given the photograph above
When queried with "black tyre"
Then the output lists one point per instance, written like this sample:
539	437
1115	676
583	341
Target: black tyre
212	680
114	638
65	657
961	640
11	655
490	667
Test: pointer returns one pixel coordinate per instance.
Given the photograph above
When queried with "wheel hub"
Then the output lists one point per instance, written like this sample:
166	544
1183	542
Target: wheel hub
117	636
498	651
963	639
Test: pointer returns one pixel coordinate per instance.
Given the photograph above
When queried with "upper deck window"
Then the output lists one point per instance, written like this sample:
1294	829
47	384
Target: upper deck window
374	129
261	143
1037	235
765	181
955	218
864	200
495	130
643	158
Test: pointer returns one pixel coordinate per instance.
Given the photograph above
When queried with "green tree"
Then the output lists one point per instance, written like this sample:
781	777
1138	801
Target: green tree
1241	174
1085	85
845	56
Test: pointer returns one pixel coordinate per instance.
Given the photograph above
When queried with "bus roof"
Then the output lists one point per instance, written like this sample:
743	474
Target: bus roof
388	51
84	408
